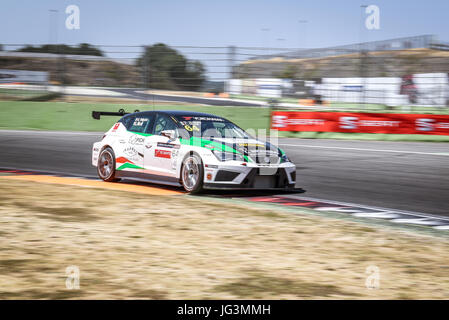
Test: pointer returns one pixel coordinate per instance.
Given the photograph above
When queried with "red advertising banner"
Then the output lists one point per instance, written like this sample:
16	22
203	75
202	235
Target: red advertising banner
360	122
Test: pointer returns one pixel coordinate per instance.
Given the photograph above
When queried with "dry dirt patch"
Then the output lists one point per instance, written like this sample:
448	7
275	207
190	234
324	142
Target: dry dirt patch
130	245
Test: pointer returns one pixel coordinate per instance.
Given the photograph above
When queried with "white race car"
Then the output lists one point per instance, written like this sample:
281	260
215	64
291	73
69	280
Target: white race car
190	149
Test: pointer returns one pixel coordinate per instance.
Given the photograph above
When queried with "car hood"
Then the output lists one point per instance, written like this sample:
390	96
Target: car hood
249	146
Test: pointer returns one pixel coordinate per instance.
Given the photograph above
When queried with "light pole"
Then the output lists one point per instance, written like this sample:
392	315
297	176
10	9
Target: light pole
362	9
267	38
52	37
280	40
52	26
60	72
362	53
304	22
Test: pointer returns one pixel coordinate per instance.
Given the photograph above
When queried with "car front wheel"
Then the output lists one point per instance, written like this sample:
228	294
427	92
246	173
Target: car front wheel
192	174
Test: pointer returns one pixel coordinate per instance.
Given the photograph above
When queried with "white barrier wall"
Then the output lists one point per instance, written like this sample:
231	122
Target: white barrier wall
432	89
271	88
233	86
23	76
264	87
358	90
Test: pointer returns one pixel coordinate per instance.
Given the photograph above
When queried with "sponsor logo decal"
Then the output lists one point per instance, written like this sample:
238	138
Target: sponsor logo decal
348	122
423	124
123	160
138	122
116	127
126	164
307	122
136	140
130	152
168	145
354	122
279	121
254	145
284	121
353	88
159	153
426	124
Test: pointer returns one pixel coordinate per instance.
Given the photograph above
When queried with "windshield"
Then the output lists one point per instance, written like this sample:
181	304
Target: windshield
211	127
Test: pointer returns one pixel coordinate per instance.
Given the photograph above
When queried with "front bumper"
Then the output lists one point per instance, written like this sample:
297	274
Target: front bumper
96	152
256	178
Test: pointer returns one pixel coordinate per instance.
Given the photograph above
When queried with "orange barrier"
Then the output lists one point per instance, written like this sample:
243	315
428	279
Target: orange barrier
311	102
306	102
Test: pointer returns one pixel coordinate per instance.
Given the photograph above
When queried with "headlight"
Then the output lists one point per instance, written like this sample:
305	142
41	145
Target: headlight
284	158
227	156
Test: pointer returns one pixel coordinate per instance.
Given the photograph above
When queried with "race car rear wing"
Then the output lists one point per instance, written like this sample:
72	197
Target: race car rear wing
97	114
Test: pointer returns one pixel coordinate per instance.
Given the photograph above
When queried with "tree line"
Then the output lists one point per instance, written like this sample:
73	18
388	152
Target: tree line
162	67
81	49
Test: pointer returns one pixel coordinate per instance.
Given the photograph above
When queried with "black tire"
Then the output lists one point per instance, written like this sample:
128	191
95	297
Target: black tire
192	174
106	165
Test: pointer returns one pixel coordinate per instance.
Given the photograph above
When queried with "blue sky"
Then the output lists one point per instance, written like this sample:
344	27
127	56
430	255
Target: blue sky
221	23
217	23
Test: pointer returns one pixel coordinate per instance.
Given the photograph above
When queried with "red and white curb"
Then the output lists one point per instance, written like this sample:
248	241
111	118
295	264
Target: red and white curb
360	211
356	210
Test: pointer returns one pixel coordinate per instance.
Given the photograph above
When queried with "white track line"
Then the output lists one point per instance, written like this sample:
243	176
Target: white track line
381	209
445	154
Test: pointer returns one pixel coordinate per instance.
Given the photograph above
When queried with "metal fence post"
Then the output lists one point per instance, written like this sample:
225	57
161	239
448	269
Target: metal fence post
61	71
231	61
145	68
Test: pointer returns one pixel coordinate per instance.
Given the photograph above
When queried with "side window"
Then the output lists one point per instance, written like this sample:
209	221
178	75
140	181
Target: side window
140	124
127	121
163	123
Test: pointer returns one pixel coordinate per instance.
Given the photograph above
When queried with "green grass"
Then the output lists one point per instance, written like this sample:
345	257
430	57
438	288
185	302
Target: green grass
258	98
19	94
77	116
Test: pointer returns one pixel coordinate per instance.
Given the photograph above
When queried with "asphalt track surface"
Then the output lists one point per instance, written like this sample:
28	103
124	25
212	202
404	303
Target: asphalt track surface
398	175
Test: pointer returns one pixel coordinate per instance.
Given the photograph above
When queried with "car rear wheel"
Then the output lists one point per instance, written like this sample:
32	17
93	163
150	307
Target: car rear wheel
192	174
106	165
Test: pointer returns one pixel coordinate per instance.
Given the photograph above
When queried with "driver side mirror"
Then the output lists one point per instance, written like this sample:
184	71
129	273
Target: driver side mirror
171	134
